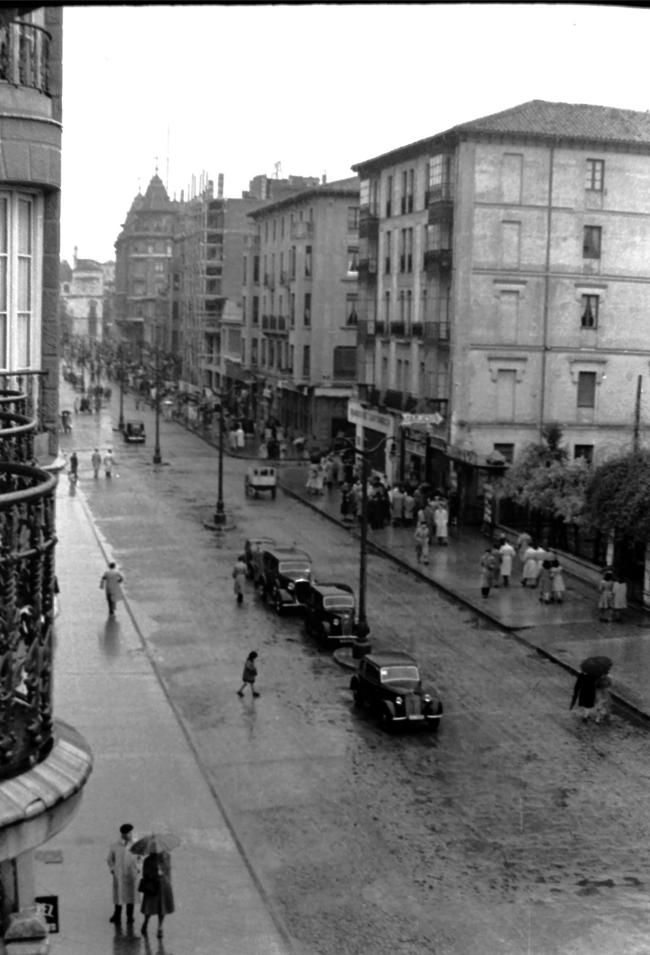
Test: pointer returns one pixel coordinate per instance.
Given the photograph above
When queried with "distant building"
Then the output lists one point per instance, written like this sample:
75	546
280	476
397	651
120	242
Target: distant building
83	291
300	309
503	282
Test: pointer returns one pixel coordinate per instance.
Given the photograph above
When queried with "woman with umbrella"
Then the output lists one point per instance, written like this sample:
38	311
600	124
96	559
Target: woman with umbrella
156	881
592	670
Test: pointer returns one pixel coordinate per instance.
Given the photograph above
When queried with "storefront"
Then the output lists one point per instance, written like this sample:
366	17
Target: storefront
377	432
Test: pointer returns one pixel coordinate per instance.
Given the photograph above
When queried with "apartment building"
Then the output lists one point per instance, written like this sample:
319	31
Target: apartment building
83	289
299	302
504	276
143	256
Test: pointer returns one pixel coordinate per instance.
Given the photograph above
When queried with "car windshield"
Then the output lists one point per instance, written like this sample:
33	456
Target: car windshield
399	674
338	603
294	567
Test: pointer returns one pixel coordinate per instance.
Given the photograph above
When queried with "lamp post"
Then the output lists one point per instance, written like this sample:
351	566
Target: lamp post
362	644
157	458
220	514
121	421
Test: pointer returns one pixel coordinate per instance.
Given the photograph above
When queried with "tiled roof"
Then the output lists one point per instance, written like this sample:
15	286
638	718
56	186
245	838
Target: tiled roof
567	120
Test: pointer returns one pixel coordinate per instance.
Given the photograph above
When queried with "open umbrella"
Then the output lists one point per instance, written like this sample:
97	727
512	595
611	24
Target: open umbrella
155	842
596	666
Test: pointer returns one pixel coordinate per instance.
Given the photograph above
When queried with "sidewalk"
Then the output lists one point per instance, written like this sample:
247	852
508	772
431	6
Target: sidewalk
566	633
107	687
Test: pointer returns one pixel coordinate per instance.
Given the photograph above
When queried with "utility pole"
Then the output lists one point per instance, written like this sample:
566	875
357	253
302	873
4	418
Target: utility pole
637	414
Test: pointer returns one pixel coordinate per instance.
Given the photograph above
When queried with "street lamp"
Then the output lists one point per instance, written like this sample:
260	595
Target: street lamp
157	458
220	514
362	644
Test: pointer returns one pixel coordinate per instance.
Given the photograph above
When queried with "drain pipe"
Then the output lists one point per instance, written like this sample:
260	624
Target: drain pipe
542	397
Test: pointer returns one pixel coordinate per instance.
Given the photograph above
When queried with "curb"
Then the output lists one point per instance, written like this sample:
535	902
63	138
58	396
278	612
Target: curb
345	660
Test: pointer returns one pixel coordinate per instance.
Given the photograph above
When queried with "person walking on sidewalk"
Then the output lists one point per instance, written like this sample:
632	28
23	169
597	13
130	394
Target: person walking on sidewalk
110	584
156	888
125	868
74	465
96	461
487	571
239	576
619	598
109	462
558	586
249	675
507	552
606	595
422	538
441	521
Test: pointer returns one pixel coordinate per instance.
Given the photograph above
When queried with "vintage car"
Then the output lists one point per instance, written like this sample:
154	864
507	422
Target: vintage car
253	555
285	577
261	477
329	614
389	682
134	432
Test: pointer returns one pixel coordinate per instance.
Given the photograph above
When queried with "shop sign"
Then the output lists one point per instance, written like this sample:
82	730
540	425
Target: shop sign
415	442
48	908
432	419
369	418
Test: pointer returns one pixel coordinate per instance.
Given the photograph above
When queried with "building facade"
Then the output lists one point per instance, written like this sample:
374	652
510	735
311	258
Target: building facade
299	301
503	279
83	296
44	764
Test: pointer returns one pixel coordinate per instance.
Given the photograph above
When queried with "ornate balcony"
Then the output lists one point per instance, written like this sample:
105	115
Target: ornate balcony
437	260
367	270
437	332
25	55
368	224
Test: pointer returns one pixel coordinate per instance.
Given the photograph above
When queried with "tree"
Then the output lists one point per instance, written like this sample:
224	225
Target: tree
617	497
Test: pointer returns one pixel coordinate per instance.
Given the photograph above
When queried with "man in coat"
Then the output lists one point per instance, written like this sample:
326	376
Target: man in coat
125	870
110	583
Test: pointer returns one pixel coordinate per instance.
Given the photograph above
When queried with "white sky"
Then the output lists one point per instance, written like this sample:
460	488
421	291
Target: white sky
236	89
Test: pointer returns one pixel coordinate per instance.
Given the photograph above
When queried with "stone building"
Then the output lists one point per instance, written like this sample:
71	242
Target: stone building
300	309
503	282
83	292
44	763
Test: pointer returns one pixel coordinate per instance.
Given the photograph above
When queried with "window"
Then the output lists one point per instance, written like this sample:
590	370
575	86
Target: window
307	309
589	311
306	361
368	196
353	218
584	451
275	228
351	308
387	252
282	227
595	175
406	200
292	262
387	308
256	268
591	242
256	309
253	351
345	362
292	309
406	250
439	177
308	261
353	258
389	197
507	451
586	389
245	271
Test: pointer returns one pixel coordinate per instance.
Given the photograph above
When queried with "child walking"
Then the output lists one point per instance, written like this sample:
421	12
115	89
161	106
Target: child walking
249	675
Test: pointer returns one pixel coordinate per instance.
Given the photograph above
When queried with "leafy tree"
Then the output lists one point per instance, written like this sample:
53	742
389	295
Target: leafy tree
618	496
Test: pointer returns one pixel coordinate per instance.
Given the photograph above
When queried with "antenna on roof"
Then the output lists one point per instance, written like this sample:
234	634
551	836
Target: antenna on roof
278	167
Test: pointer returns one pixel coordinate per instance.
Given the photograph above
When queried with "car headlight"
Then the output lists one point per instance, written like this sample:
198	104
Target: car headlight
398	701
291	587
335	621
426	698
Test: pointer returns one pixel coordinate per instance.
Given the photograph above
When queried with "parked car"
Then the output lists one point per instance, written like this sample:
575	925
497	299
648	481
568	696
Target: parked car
259	478
389	682
253	555
329	614
134	432
285	577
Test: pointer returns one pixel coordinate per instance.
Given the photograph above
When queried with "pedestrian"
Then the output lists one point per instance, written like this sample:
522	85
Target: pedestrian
532	568
110	583
240	437
522	544
396	497
328	472
156	888
109	461
441	520
422	538
605	598
239	576
584	694
487	567
74	464
619	598
558	587
545	582
125	868
507	553
232	439
96	461
312	481
496	566
249	675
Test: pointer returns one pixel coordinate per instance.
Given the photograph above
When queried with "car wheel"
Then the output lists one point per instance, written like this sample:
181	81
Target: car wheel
272	493
358	698
386	720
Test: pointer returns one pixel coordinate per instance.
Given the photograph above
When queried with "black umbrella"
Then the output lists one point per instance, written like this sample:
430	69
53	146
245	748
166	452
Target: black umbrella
596	666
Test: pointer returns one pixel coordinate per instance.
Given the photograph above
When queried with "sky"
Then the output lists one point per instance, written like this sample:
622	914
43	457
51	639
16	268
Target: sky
201	90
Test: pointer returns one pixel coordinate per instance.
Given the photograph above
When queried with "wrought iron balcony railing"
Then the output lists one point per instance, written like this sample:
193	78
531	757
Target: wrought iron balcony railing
25	55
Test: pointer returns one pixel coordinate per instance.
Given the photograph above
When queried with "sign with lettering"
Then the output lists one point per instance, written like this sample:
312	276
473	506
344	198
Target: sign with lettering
409	419
369	417
48	907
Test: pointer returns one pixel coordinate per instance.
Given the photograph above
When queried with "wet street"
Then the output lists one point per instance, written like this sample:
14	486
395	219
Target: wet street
516	831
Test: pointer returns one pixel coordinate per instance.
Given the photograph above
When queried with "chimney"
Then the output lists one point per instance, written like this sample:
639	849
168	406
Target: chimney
220	186
74	258
324	179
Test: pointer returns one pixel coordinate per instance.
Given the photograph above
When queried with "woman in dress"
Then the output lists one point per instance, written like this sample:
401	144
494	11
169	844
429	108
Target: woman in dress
531	567
558	587
605	598
156	888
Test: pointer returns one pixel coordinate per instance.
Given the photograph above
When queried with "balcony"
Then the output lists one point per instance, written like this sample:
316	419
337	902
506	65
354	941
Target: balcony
25	56
437	261
437	332
367	270
368	224
417	330
440	204
302	230
398	329
274	323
